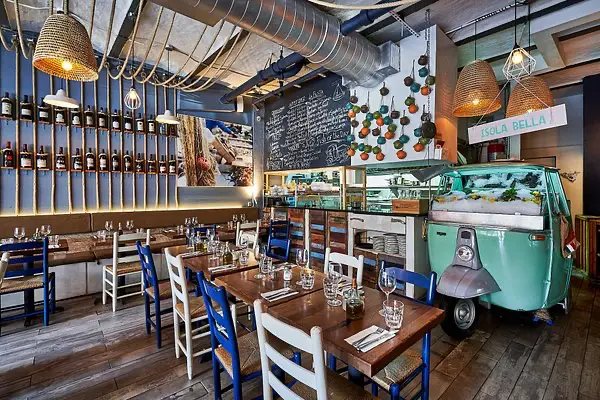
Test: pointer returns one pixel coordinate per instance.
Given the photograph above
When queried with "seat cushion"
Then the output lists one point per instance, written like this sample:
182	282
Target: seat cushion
338	388
164	289
125	268
250	353
23	283
399	369
197	308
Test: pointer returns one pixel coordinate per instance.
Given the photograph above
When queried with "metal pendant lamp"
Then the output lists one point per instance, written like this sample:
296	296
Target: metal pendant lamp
60	99
477	91
168	117
64	49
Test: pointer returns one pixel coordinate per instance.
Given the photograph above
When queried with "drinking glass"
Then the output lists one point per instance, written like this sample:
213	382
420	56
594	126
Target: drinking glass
243	218
335	271
220	250
19	233
244	257
194	220
187	221
307	277
189	234
261	261
45	230
129	225
234	218
330	289
108	225
394	313
54	240
387	284
302	260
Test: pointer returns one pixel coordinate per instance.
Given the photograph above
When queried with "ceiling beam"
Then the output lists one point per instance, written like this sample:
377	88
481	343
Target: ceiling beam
126	28
391	20
225	48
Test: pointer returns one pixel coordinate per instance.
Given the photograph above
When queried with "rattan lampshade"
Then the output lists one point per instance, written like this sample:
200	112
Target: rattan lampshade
530	94
476	91
64	49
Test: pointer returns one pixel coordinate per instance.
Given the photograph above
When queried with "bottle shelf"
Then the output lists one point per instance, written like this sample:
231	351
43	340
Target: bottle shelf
8	167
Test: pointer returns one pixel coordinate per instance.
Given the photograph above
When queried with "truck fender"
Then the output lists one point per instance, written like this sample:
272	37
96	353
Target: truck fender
465	283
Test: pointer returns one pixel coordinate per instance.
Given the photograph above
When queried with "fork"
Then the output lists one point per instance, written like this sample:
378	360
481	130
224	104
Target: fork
357	343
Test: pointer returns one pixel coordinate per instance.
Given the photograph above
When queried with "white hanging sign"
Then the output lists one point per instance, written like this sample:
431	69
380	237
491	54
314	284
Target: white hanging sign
534	121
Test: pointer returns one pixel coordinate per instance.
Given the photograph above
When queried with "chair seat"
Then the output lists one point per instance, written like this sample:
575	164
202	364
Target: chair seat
197	308
399	369
125	268
164	290
250	353
23	283
338	388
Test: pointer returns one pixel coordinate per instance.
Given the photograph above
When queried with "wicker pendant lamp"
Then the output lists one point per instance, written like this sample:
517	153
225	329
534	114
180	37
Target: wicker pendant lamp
64	49
531	94
476	91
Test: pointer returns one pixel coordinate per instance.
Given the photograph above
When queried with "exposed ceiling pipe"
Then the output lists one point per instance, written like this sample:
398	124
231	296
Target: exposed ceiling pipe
312	33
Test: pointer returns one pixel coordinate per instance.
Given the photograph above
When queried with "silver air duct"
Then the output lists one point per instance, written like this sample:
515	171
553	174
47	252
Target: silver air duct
300	26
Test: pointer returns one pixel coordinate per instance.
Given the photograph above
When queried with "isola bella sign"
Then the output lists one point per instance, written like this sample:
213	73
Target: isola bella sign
534	121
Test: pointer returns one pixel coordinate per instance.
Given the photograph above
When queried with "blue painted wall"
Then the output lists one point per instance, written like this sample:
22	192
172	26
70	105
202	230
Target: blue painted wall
82	200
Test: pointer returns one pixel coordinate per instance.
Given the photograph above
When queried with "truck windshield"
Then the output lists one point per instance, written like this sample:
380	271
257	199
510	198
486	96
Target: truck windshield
515	192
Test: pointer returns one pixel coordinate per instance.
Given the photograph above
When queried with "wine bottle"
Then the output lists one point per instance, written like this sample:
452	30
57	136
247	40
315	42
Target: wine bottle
26	111
90	160
89	118
43	112
139	163
41	159
127	164
25	157
172	130
7	156
228	255
162	165
116	121
7	106
162	129
101	118
115	162
128	121
59	115
61	162
151	165
139	124
151	124
103	161
77	161
172	165
76	117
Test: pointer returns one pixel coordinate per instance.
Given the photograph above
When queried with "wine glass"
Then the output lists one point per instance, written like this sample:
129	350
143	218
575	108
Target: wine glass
108	225
45	230
19	233
334	275
129	225
243	218
220	247
302	260
234	218
387	284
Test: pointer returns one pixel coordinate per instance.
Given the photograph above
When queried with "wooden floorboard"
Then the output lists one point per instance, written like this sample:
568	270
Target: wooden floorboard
90	353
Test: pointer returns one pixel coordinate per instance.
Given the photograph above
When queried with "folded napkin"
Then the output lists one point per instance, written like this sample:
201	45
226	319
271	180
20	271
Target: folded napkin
195	254
279	296
373	340
222	267
53	246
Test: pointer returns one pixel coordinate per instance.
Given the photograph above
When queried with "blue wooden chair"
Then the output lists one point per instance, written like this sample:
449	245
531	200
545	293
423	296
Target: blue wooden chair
33	274
154	291
279	249
279	229
238	356
400	372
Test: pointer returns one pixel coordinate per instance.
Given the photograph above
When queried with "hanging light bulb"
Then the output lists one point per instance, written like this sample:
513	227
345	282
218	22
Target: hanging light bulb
519	62
516	57
60	99
168	117
132	99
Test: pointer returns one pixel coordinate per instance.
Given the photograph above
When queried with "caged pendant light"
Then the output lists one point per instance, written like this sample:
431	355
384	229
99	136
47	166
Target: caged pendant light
168	117
64	49
477	91
132	98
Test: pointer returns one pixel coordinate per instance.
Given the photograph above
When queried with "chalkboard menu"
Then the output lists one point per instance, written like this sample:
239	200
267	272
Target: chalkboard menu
307	128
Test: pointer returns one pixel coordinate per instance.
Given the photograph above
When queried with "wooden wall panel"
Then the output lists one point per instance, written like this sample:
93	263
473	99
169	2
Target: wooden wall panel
297	229
318	222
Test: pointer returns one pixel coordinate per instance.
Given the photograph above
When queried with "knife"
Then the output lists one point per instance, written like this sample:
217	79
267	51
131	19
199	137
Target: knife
282	296
385	336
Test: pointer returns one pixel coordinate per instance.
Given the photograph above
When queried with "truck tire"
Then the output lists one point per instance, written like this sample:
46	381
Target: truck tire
461	317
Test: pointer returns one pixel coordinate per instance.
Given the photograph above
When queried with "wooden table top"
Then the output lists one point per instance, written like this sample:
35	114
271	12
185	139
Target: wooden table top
63	245
312	310
246	287
203	263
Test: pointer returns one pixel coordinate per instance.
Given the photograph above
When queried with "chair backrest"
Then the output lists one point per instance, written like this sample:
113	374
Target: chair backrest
222	328
148	269
3	266
312	344
279	249
351	263
426	282
279	229
249	231
177	277
124	245
27	253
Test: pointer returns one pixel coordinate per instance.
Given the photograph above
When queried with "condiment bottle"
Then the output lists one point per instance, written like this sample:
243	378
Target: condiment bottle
355	306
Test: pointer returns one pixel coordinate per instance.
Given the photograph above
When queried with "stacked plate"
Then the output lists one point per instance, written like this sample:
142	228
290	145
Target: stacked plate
391	243
379	243
401	245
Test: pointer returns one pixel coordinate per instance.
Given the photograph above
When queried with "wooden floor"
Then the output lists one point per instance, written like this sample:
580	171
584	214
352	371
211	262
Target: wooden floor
89	352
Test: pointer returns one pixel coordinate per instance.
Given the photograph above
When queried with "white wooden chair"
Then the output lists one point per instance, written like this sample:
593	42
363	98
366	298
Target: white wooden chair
326	383
125	262
248	231
186	309
352	263
3	266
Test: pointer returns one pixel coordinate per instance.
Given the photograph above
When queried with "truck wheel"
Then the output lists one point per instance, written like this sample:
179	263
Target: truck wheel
461	317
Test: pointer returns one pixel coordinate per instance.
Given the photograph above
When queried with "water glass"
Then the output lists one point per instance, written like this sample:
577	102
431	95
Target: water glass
243	218
335	272
394	313
234	218
244	257
129	225
387	284
220	250
330	288
45	230
307	278
194	220
19	233
108	225
302	260
265	266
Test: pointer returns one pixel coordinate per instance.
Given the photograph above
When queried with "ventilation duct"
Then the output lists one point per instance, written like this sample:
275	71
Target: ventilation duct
301	27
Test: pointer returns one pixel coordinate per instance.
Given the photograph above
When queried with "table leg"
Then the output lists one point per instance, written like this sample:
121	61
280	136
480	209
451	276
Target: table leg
355	376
